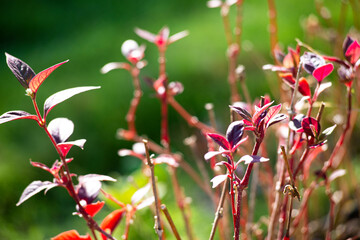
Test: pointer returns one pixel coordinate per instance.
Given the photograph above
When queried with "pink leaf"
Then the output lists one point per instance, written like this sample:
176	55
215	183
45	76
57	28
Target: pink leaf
322	72
34	188
166	158
39	78
220	140
15	115
71	235
63	95
353	52
218	179
111	221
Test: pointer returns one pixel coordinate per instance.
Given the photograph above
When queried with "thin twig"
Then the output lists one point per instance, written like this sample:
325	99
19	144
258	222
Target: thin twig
158	228
171	222
219	211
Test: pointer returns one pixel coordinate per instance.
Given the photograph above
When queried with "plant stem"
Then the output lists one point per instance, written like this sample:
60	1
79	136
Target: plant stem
130	116
191	120
171	222
219	211
158	228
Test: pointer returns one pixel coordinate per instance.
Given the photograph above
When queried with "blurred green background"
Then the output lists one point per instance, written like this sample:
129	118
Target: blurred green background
90	34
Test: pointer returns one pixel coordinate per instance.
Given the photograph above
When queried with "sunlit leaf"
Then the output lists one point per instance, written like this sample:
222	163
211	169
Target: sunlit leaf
111	221
71	235
93	208
235	132
242	112
353	52
20	69
34	188
145	203
63	95
218	179
140	193
61	129
336	174
178	36
220	140
247	159
322	72
15	115
39	78
145	34
66	146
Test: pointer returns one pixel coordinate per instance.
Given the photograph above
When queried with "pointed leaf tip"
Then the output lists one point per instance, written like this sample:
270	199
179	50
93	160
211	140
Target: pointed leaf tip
71	235
20	69
63	95
39	78
34	188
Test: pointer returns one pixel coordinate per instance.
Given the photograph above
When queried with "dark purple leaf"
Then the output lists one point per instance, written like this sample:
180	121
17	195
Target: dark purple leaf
235	132
220	140
15	115
63	95
20	69
39	78
242	112
61	129
34	188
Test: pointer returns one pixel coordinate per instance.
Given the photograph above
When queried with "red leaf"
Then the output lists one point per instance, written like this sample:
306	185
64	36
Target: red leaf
322	72
39	78
304	88
288	78
259	111
66	146
220	140
93	208
311	126
353	52
71	235
111	221
272	112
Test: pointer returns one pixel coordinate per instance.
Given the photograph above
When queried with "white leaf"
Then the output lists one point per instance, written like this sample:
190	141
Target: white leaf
252	159
336	174
139	194
211	154
61	129
217	180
